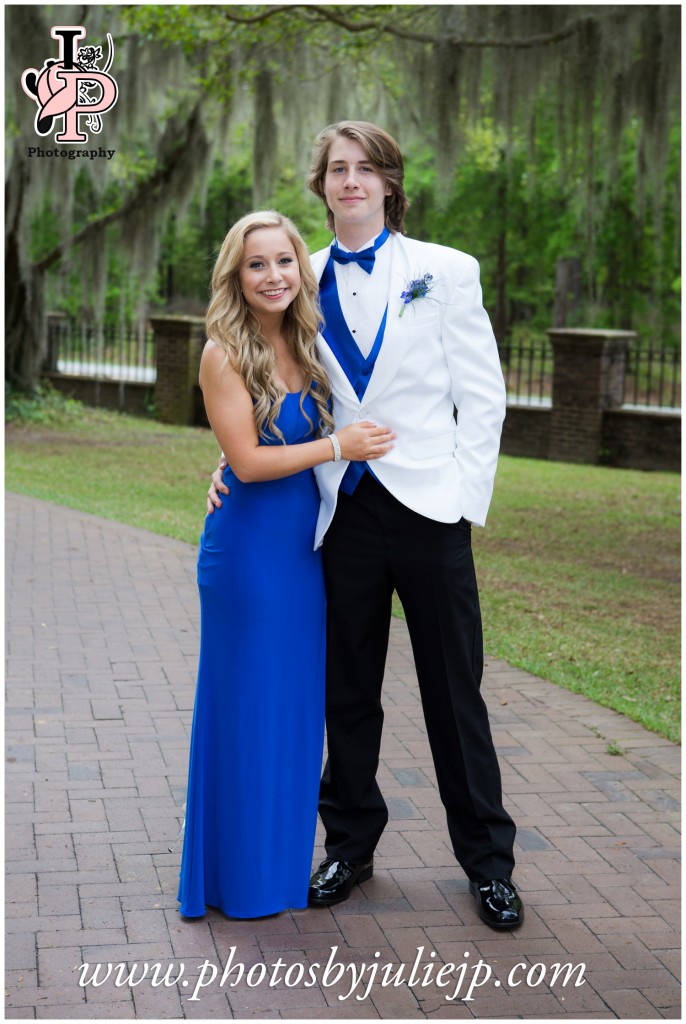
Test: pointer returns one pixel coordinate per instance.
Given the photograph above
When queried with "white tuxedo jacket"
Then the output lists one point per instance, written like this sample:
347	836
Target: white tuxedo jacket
440	354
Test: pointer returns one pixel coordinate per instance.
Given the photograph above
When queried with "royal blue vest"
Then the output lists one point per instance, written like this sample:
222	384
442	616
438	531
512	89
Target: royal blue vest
357	368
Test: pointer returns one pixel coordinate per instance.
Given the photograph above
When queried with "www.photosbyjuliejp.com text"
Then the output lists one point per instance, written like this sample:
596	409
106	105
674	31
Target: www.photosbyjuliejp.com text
461	981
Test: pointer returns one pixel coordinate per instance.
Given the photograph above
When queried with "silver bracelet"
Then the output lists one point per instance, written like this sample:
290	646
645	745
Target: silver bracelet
336	447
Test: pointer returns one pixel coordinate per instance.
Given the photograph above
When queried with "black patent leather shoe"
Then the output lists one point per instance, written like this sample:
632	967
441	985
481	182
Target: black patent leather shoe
334	880
498	903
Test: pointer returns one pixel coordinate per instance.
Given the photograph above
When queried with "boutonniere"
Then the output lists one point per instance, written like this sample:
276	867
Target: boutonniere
417	289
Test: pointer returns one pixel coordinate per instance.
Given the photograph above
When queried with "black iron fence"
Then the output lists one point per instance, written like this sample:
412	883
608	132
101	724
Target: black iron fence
527	365
653	376
121	352
127	353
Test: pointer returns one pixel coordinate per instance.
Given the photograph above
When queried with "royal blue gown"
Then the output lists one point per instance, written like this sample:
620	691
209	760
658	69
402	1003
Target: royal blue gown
258	722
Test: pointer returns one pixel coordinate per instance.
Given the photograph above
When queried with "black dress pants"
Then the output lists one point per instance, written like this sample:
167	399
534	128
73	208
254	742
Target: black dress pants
376	544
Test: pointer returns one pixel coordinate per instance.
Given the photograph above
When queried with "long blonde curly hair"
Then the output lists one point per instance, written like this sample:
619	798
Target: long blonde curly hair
233	325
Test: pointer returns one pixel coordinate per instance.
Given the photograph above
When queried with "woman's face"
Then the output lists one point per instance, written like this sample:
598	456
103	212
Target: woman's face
269	274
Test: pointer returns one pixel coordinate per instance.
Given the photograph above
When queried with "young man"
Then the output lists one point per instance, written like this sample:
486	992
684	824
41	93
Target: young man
406	341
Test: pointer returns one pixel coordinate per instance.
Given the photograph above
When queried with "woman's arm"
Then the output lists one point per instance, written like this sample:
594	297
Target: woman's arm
230	412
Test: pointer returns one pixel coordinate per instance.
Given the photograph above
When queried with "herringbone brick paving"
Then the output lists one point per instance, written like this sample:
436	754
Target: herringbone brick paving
102	646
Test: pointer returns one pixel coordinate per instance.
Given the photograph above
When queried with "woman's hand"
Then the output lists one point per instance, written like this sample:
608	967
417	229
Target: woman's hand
361	442
217	485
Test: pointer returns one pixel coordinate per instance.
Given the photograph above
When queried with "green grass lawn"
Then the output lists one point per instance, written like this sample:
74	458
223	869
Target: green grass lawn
579	569
578	565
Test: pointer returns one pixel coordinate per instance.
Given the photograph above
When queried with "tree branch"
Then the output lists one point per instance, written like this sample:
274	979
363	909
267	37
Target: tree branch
158	178
327	14
255	19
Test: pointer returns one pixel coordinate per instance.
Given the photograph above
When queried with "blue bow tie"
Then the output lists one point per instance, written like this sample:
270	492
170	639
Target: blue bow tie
365	258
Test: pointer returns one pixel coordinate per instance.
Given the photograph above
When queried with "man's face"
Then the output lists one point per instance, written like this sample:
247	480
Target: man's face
355	190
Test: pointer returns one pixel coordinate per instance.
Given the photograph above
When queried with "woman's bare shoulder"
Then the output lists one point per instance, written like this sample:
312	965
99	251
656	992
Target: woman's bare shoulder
216	365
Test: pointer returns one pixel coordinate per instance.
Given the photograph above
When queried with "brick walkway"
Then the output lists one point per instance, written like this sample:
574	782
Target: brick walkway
103	636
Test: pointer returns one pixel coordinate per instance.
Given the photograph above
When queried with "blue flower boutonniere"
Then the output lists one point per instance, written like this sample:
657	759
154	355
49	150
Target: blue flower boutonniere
417	289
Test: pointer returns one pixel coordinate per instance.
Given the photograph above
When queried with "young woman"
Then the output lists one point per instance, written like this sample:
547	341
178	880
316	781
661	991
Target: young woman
258	723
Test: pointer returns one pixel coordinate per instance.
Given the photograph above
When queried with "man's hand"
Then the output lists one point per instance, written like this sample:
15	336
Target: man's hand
216	487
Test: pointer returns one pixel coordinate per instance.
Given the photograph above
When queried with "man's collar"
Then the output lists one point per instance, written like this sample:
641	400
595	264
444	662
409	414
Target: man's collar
367	245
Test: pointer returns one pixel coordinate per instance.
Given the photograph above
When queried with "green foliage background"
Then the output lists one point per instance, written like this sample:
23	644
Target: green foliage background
518	196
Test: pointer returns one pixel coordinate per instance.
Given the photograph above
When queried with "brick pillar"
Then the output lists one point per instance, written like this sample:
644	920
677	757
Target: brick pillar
179	341
588	378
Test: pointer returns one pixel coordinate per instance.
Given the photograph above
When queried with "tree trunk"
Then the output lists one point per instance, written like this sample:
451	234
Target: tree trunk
567	291
500	319
25	343
26	336
264	140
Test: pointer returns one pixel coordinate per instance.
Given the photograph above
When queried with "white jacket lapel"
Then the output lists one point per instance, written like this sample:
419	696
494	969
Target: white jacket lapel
342	387
339	382
318	261
397	337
